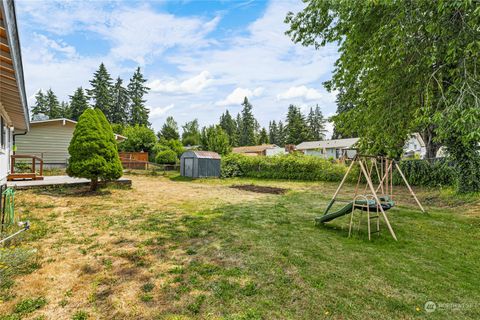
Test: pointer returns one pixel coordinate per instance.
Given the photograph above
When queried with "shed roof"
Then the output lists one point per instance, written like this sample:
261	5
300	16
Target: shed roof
249	149
337	143
206	154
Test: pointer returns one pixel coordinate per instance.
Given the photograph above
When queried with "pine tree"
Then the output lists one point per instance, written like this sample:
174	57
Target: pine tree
247	132
229	125
101	92
238	130
136	90
78	104
121	103
169	130
93	150
191	133
281	134
273	133
39	110
53	106
316	124
263	136
297	129
65	111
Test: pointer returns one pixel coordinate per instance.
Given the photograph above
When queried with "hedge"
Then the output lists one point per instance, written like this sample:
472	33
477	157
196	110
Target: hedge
303	167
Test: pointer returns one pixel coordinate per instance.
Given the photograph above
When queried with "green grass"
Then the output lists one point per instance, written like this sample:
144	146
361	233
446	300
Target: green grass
261	258
268	259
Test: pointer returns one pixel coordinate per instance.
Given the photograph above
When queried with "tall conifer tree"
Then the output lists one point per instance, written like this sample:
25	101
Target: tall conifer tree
136	90
101	91
121	103
78	104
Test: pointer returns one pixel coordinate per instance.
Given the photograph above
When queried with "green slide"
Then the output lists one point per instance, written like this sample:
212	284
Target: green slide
359	204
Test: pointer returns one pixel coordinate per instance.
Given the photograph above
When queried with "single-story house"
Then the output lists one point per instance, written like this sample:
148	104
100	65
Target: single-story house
260	150
49	140
14	117
415	146
329	148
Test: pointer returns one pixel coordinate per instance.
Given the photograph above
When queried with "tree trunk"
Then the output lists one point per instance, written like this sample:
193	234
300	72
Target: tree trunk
431	147
94	184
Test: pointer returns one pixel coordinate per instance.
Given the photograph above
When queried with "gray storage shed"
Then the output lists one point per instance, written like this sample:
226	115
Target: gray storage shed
200	164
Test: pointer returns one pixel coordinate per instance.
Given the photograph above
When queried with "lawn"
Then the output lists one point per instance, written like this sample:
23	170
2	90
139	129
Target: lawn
171	248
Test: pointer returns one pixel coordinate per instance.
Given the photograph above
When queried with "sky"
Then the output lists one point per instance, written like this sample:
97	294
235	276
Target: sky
200	57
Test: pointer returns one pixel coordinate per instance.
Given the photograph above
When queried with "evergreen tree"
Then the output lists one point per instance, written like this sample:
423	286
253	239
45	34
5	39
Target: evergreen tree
121	103
169	130
191	133
78	104
39	110
93	150
273	132
238	130
214	138
316	124
297	129
247	132
65	111
229	125
281	134
101	91
263	136
137	89
54	110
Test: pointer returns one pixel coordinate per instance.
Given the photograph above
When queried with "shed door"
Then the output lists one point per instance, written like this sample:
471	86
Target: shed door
188	167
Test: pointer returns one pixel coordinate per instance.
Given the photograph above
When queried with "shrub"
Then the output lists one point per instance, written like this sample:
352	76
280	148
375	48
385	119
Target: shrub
291	166
93	150
302	167
166	156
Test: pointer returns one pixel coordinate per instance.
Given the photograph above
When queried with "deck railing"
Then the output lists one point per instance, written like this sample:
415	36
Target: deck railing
33	169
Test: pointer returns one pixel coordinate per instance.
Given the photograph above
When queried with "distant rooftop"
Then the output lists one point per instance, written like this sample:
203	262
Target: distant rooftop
336	143
254	149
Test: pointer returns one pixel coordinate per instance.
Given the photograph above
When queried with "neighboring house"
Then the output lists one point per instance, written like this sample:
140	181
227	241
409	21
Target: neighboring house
415	147
14	117
49	140
260	150
329	148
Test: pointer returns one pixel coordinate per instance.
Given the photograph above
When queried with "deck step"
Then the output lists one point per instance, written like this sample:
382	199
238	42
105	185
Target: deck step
24	176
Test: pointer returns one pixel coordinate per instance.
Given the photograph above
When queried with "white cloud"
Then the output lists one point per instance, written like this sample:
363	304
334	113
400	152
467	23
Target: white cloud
140	34
238	95
301	92
191	85
156	112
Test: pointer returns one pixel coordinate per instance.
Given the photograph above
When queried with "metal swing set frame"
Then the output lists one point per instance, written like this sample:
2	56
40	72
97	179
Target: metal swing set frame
383	167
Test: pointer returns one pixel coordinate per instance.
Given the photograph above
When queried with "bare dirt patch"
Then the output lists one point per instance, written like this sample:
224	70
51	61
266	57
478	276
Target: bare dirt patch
259	189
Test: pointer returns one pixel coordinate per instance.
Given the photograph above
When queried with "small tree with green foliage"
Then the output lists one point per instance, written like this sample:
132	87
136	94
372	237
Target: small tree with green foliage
215	139
93	150
169	130
139	138
166	156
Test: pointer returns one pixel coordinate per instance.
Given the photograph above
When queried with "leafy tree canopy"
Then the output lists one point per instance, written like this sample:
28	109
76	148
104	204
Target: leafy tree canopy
169	130
403	67
139	138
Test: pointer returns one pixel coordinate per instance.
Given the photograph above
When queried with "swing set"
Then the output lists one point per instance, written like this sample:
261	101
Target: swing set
375	200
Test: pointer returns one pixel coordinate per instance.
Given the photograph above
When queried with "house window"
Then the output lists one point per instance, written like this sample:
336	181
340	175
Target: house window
2	133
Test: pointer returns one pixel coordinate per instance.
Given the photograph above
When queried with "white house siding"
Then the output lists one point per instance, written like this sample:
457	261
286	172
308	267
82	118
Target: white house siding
49	140
5	157
274	151
314	152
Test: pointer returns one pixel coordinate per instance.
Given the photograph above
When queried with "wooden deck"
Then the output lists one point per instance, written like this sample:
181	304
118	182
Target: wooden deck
52	181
